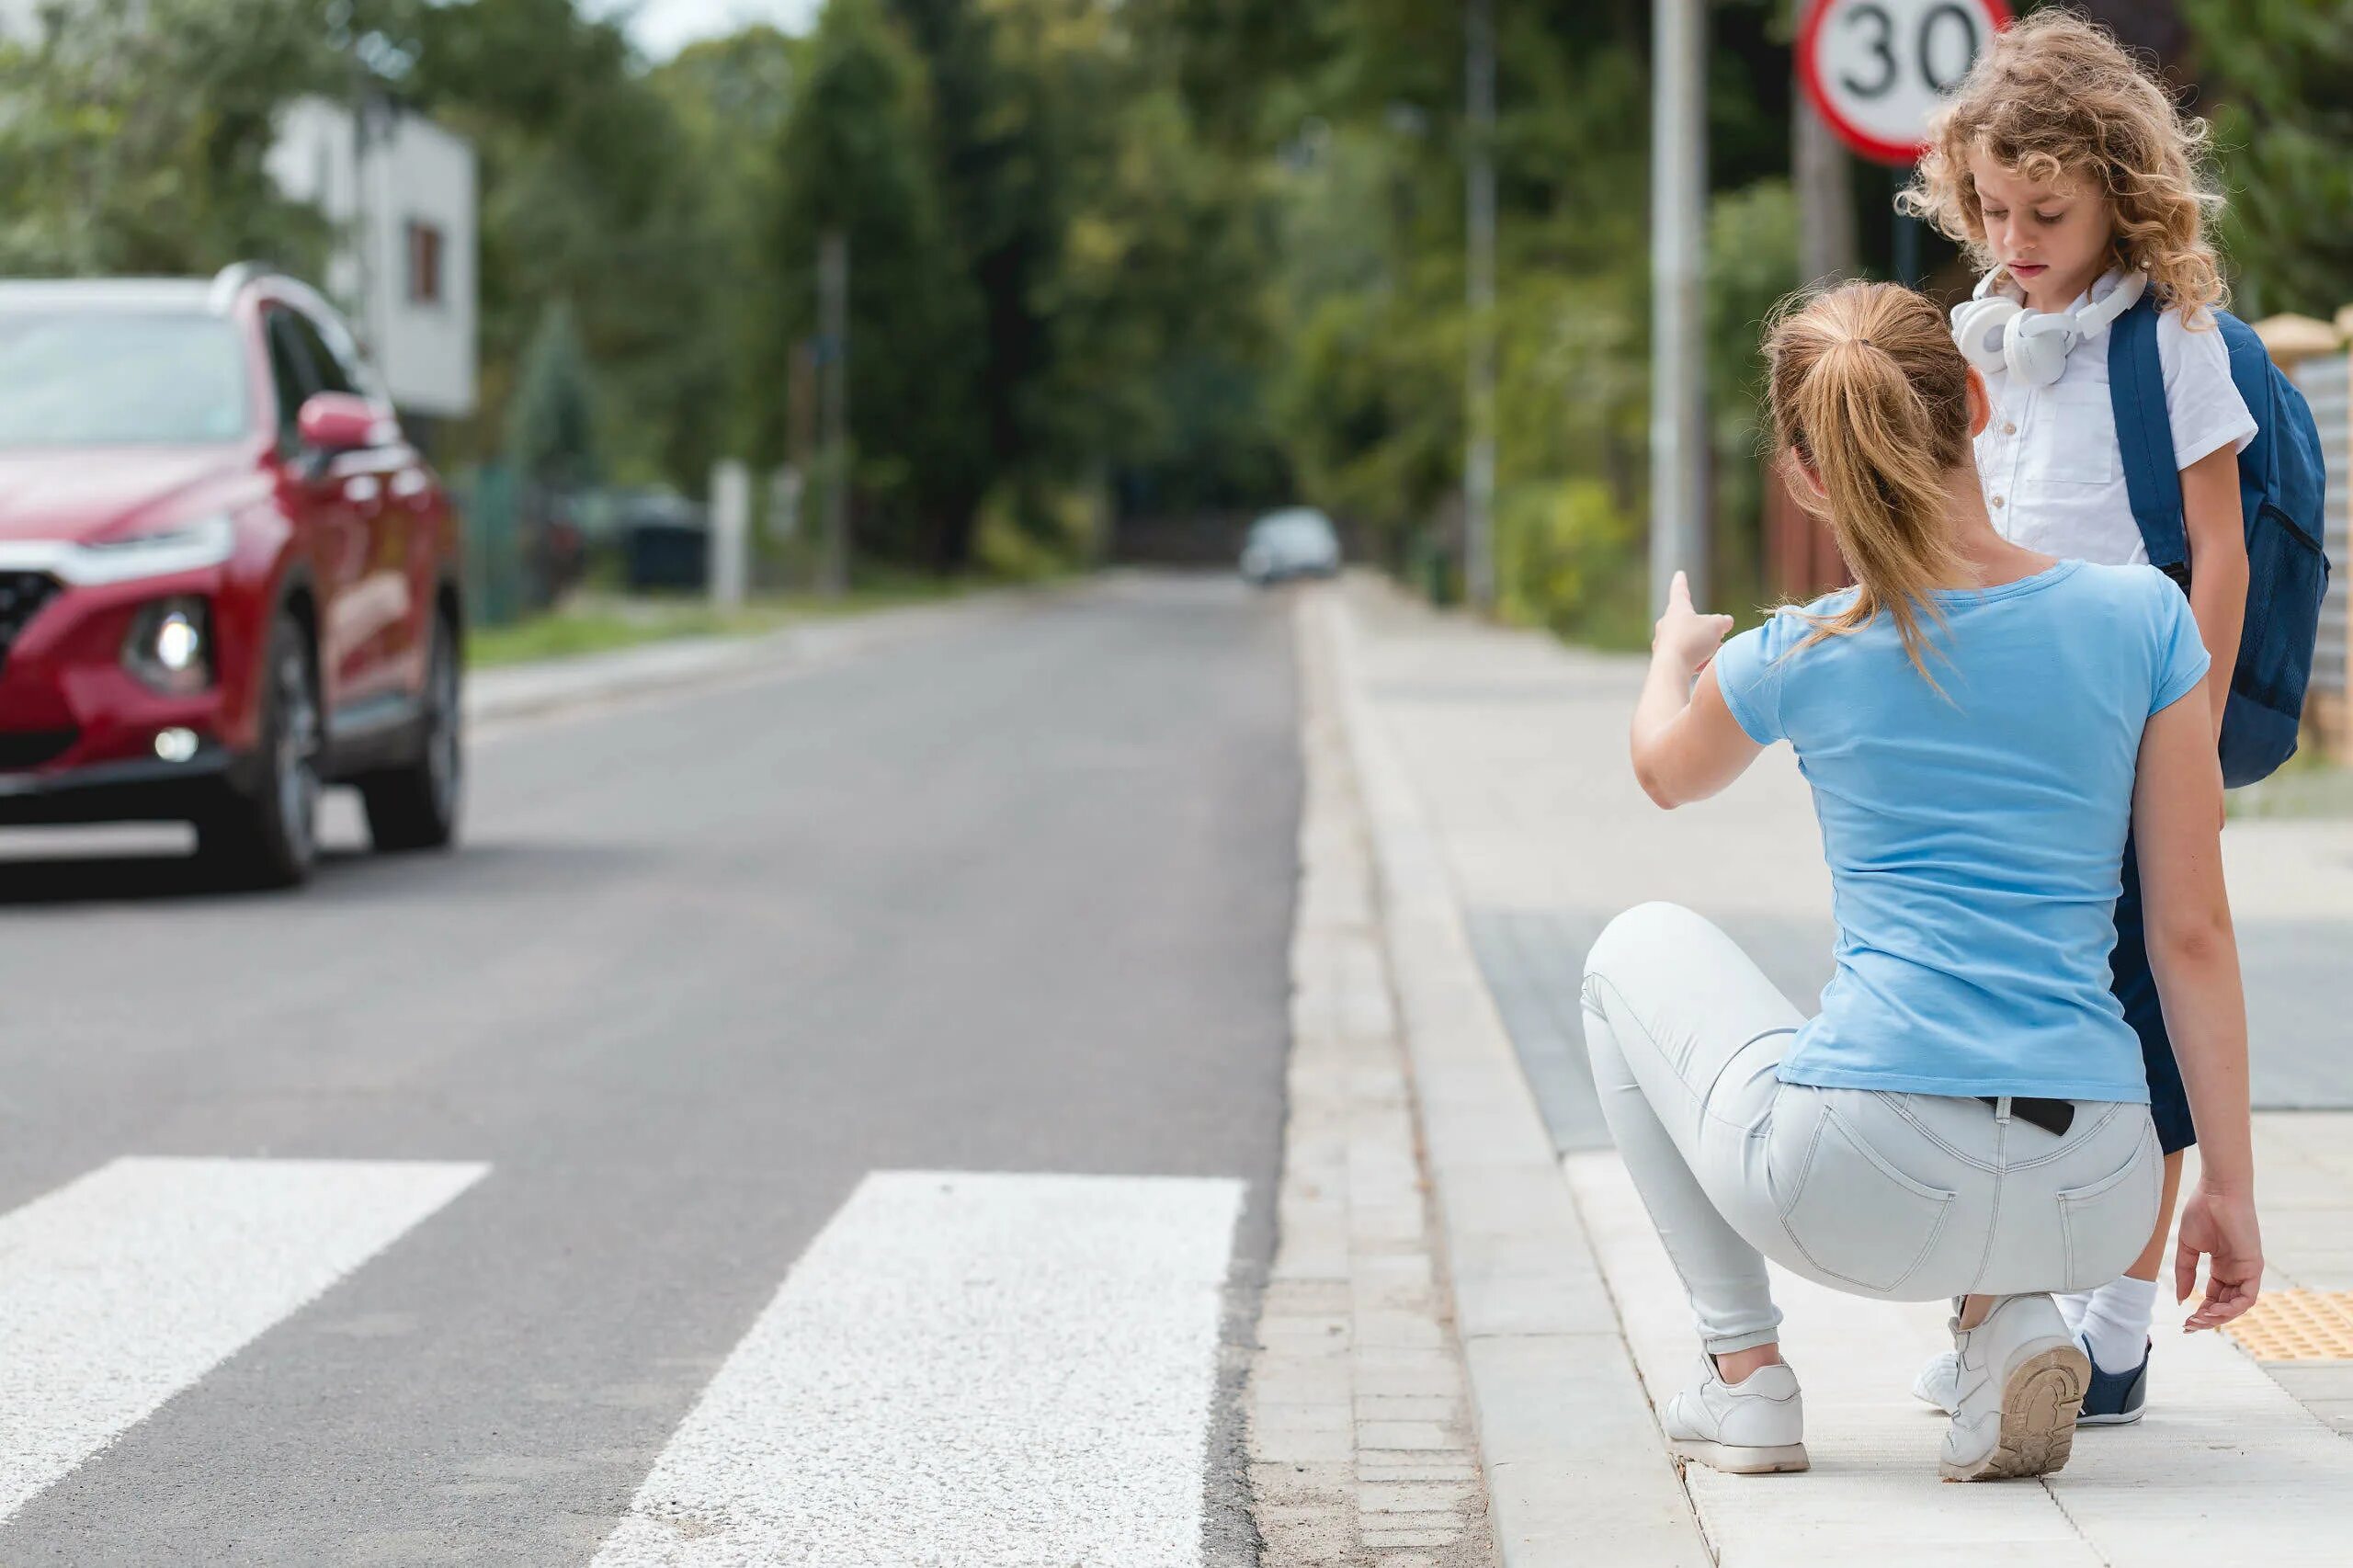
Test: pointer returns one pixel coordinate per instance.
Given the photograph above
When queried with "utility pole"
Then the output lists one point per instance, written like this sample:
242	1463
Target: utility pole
832	327
1479	184
1825	192
1678	237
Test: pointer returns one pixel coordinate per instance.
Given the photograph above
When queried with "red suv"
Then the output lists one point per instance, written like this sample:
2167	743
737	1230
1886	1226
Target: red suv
226	578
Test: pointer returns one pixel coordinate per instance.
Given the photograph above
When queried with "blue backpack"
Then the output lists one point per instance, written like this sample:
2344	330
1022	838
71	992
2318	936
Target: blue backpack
2280	478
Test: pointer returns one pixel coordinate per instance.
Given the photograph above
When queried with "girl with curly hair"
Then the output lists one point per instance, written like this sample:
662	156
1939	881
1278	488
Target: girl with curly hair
2066	170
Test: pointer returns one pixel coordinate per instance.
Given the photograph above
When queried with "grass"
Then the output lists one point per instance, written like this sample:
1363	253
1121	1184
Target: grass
601	623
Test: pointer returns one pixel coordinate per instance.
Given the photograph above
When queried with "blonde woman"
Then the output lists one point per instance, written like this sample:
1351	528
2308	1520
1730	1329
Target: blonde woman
2065	170
1966	1115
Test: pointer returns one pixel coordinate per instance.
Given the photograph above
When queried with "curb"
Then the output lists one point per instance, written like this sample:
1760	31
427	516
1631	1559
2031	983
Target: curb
548	685
1576	1471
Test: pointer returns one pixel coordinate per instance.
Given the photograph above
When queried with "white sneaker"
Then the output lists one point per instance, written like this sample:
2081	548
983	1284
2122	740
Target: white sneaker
1754	1427
1939	1381
2022	1382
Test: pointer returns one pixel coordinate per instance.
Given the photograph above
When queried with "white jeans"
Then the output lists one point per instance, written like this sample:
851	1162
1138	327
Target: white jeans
1898	1195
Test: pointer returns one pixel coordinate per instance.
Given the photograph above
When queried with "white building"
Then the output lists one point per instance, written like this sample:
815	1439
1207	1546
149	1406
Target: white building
401	192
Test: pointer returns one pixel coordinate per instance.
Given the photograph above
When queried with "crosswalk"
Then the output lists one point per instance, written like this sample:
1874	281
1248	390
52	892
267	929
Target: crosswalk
98	1322
961	1369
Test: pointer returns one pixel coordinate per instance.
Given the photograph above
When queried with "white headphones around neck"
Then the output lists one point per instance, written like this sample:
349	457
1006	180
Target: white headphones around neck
1996	332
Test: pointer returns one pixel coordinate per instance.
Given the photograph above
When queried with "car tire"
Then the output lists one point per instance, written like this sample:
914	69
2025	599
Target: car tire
415	806
269	836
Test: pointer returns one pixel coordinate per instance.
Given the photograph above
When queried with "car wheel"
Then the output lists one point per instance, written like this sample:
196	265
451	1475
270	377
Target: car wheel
415	806
269	838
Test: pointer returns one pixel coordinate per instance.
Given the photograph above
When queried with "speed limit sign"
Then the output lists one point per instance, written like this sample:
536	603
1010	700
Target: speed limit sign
1877	68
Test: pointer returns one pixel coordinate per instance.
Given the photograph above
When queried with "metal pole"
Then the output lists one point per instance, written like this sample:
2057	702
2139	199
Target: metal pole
832	325
1825	195
1907	237
1678	380
1479	461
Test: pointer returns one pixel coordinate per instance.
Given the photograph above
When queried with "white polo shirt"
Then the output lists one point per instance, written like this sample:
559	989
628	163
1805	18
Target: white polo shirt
2053	473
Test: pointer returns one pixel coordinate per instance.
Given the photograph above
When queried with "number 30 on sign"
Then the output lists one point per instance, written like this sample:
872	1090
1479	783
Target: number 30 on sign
1876	70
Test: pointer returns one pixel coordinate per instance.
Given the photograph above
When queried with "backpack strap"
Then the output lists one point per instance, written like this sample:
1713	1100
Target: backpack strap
2136	390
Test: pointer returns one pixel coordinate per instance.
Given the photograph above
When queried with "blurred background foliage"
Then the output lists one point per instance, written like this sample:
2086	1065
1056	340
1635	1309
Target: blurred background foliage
1111	259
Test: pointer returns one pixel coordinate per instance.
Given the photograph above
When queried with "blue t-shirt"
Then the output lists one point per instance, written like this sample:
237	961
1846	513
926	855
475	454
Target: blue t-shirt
1976	837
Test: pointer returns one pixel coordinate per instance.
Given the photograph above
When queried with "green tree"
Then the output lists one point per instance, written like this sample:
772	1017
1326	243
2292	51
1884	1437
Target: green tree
855	158
136	134
730	97
551	430
590	194
2280	75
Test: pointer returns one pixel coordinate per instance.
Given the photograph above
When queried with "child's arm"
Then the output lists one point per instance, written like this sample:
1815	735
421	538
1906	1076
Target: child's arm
2209	505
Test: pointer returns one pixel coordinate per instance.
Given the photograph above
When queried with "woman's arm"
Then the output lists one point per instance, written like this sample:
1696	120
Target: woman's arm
2209	505
2193	953
1687	744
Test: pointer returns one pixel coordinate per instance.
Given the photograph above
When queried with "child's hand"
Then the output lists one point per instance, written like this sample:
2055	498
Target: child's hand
1683	634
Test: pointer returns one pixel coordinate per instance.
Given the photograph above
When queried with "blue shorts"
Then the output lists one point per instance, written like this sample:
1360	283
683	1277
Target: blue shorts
2136	987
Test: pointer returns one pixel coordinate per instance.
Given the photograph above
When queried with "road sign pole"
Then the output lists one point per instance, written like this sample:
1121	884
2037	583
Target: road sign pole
1678	380
1908	235
1819	171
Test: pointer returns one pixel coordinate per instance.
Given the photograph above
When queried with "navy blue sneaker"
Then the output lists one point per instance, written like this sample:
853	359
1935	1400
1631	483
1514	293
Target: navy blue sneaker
2116	1398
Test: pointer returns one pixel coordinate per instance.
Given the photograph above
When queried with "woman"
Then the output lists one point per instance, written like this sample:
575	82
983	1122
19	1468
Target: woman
1967	1116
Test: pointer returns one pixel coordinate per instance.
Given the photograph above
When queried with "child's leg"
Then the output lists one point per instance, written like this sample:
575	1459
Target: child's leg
1669	1002
2152	1258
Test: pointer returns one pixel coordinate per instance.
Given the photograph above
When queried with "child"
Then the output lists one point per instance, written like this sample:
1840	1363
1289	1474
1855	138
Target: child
2065	168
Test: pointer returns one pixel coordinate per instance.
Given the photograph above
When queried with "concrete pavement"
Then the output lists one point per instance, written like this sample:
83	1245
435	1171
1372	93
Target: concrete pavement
1513	832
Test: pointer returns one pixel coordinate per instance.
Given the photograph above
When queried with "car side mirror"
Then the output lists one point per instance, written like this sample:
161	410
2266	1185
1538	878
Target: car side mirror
333	423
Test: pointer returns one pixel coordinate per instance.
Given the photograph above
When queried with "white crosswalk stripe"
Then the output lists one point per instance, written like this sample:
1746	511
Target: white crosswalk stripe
965	1370
128	1285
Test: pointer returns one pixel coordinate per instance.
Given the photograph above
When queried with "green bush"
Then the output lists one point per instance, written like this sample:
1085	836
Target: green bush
1569	559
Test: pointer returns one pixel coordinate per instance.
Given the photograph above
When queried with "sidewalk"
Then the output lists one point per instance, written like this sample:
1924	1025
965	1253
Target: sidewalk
1508	829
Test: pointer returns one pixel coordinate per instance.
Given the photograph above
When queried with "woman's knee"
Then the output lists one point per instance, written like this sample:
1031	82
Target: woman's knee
1639	933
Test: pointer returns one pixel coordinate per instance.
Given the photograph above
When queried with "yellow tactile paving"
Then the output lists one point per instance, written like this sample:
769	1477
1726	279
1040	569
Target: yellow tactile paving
2297	1326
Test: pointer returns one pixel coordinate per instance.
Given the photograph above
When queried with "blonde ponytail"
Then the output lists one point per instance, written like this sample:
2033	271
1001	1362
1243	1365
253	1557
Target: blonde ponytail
1870	393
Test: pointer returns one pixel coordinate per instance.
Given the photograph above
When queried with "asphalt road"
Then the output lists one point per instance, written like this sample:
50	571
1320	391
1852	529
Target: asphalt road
1013	898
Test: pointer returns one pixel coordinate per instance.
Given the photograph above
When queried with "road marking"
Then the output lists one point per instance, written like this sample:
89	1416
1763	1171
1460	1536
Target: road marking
123	1287
966	1371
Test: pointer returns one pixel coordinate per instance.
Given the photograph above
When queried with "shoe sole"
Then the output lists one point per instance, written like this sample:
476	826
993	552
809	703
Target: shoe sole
2041	1400
1782	1459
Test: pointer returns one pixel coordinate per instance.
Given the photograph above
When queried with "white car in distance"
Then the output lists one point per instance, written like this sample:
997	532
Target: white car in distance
1298	541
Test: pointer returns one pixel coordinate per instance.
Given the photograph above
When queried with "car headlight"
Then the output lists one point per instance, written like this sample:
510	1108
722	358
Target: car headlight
208	541
170	645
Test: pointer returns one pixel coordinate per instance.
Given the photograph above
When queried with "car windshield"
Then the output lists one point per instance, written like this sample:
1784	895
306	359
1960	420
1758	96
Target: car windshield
91	377
1292	529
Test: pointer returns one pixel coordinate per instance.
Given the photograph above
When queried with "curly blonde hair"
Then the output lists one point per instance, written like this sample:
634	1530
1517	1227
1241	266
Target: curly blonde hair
2055	97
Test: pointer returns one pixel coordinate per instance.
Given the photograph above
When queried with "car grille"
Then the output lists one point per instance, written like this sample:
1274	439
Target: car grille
33	747
21	596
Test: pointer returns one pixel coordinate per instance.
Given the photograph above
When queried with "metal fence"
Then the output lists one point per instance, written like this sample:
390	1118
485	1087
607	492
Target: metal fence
490	520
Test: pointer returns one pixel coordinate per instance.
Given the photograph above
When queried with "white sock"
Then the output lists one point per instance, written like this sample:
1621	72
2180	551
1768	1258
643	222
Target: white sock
2115	1324
2073	1305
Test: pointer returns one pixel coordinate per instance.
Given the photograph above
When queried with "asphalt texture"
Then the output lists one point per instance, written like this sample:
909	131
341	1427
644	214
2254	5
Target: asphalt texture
1015	897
